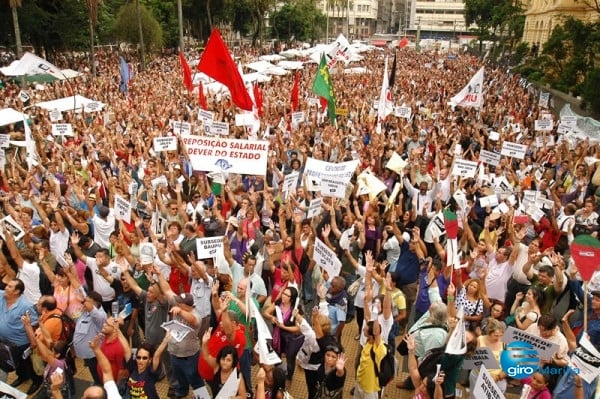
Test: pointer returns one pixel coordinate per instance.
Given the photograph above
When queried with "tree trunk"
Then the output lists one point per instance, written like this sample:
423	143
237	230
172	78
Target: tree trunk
180	20
92	53
18	43
209	17
142	50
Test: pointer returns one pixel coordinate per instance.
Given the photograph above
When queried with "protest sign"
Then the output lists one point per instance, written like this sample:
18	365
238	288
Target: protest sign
343	171
396	163
55	115
62	129
177	329
165	143
180	128
314	208
290	182
489	157
514	150
220	128
464	168
482	356
331	187
326	258
122	209
543	125
12	227
209	247
403	112
569	121
4	140
215	154
545	348
486	387
245	119
297	118
586	360
544	97
206	117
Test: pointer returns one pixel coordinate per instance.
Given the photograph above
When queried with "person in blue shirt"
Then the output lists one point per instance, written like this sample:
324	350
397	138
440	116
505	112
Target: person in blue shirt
13	306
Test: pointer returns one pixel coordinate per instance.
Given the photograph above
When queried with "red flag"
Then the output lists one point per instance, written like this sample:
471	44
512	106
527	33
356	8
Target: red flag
201	97
258	99
323	101
294	98
217	63
403	43
187	73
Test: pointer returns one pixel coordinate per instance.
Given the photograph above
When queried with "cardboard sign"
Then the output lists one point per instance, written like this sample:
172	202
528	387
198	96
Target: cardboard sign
62	129
92	106
209	247
297	118
489	157
569	121
206	117
166	143
544	97
180	128
12	227
464	168
290	182
216	154
315	207
545	348
220	128
514	150
403	112
244	119
4	140
543	125
485	386
55	115
327	259
482	357
122	209
331	187
341	111
343	171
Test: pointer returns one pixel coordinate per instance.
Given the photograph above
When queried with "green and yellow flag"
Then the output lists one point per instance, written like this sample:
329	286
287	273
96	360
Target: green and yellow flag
323	86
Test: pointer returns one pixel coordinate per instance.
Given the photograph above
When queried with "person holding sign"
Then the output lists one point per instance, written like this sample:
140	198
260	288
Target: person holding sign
426	387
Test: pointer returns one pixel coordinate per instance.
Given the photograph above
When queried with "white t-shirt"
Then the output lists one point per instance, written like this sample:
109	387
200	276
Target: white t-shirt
103	228
101	286
497	277
59	242
30	275
384	325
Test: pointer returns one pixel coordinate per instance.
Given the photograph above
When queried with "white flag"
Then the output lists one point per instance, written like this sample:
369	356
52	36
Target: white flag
457	343
386	105
31	64
472	94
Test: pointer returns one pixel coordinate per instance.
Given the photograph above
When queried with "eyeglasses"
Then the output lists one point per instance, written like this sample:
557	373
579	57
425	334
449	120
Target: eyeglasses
141	357
196	197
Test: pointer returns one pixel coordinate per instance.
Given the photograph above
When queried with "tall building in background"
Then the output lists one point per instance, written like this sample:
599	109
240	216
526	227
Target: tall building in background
438	19
356	19
541	16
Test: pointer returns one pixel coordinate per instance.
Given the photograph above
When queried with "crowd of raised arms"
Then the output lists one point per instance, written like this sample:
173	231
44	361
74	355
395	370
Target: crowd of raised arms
79	283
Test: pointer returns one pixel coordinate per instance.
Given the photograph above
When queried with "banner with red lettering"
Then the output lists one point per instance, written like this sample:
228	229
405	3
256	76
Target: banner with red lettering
214	154
472	94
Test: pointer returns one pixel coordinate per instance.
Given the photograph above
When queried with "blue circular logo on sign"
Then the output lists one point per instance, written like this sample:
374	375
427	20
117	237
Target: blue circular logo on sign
519	360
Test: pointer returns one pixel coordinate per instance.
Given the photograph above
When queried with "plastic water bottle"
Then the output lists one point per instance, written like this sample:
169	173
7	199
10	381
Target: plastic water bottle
115	309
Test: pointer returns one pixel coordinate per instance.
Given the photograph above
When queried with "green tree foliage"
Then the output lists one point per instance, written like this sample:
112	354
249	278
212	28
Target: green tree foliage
127	28
496	20
300	19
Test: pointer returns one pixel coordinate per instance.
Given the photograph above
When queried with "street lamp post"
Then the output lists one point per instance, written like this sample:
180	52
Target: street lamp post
418	37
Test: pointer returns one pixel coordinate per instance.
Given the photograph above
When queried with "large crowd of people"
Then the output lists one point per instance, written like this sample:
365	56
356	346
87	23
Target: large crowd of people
77	266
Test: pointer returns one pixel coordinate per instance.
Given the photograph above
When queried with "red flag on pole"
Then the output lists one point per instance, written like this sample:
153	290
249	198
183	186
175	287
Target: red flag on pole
201	97
294	97
258	99
403	43
217	63
187	73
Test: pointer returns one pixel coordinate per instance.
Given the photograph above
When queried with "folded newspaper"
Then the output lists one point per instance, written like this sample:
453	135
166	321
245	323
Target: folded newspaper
177	329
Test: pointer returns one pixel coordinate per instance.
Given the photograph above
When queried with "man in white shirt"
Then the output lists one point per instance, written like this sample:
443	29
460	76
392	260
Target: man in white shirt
104	224
29	271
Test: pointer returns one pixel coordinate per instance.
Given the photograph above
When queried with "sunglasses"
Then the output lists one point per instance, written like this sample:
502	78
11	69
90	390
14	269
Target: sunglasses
141	357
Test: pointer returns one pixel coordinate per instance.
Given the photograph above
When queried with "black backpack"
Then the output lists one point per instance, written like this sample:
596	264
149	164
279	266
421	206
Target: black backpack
303	263
386	370
68	327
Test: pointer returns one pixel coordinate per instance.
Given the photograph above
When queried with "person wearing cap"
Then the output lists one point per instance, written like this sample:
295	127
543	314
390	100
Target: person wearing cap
185	352
88	325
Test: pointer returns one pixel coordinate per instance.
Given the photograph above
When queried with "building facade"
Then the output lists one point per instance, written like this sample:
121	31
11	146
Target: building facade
438	19
542	16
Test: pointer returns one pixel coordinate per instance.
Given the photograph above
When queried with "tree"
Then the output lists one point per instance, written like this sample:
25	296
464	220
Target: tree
300	19
126	28
14	4
479	12
93	6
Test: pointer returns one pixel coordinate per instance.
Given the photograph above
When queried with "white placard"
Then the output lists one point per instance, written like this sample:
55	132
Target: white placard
482	357
216	154
165	143
55	115
122	209
220	128
331	187
177	329
543	125
244	119
490	200
13	228
326	258
489	157
159	181
544	97
62	129
464	168
569	121
375	104
209	247
586	359
290	182
297	118
494	136
343	171
514	150
314	208
545	348
6	391
206	117
180	128
2	158
403	112
396	163
486	387
92	106
4	140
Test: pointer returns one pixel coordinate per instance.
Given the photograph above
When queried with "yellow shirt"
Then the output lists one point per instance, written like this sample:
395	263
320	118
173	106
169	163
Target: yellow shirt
365	375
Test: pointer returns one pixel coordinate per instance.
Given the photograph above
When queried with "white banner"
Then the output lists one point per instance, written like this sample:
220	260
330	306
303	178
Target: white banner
486	387
165	143
464	168
545	348
180	128
314	208
472	94
62	129
327	259
215	154
514	150
122	209
344	171
586	359
543	125
331	187
209	247
220	128
489	157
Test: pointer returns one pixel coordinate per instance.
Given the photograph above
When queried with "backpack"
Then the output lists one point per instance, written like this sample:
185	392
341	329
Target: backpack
303	263
386	370
68	327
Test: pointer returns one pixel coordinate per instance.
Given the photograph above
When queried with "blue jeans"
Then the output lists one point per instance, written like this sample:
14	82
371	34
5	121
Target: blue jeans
185	370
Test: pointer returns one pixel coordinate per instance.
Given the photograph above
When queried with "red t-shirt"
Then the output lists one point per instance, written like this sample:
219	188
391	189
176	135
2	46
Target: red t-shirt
115	355
218	341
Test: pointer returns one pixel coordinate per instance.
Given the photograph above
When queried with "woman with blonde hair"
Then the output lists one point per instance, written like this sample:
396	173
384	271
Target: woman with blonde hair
471	299
492	339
